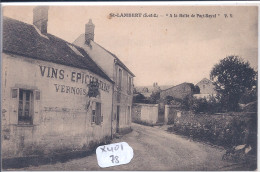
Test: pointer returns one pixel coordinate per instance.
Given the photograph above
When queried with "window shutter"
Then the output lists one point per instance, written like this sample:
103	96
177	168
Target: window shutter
36	108
14	103
14	92
98	109
98	119
37	95
100	113
130	115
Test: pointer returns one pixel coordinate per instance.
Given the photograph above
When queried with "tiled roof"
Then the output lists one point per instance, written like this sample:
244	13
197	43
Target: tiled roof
204	80
185	83
23	39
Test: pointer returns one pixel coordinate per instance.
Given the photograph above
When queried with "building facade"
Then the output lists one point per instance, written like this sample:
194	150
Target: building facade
54	97
118	72
207	89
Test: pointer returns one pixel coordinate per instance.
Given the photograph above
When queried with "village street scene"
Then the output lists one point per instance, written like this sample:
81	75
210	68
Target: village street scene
178	84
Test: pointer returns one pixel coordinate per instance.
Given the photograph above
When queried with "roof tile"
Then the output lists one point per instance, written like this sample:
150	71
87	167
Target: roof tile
23	39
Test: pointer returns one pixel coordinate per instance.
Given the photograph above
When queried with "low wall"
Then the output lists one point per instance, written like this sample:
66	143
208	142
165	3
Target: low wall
170	113
147	113
226	129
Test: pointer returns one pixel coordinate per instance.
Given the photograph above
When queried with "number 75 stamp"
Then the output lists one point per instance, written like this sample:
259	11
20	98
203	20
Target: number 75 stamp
114	154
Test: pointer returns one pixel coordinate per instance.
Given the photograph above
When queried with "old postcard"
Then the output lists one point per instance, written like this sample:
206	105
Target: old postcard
129	87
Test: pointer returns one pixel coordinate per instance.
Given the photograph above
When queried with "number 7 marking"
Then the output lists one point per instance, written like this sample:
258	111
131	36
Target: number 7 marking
114	159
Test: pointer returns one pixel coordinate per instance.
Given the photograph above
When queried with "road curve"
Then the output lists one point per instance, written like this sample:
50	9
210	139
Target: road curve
154	149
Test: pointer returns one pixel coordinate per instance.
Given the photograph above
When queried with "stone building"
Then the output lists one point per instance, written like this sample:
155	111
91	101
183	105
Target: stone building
179	91
207	89
55	98
117	72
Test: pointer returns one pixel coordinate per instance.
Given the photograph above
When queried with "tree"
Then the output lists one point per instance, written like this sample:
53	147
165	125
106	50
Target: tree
139	98
231	77
154	98
195	89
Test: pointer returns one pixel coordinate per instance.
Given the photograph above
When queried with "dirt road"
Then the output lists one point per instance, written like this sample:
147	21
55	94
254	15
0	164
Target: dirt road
154	149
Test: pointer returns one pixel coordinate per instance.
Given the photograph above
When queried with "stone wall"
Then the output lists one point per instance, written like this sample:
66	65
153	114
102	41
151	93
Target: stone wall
147	113
171	113
226	129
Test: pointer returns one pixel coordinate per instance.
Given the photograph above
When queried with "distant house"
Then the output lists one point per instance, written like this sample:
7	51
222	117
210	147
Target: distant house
179	91
206	86
207	89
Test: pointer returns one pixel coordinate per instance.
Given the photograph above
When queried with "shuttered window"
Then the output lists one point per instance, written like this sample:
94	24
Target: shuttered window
97	116
25	107
129	85
120	79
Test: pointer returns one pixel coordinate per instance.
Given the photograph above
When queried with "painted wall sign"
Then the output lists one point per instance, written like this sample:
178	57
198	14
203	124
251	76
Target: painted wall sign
75	77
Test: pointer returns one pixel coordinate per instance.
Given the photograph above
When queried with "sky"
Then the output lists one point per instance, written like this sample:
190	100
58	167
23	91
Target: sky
167	50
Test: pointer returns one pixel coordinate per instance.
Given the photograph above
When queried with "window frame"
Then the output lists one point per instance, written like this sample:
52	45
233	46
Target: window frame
33	104
120	78
94	109
24	104
129	84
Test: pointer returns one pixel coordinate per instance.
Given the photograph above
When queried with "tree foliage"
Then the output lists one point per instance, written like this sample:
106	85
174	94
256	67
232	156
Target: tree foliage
139	98
154	98
232	77
195	89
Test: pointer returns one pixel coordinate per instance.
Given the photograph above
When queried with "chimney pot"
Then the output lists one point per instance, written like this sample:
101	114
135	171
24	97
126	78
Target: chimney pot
40	18
89	31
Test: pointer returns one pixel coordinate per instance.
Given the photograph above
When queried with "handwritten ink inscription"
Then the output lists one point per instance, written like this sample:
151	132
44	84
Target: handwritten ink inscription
114	154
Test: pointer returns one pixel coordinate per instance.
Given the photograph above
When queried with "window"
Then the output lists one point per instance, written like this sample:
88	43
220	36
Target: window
25	107
120	78
96	116
129	88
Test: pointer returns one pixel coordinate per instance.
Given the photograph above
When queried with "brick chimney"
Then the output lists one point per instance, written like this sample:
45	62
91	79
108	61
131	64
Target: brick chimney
40	18
89	31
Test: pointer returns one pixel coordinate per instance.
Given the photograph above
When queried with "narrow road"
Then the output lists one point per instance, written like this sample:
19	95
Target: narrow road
154	149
